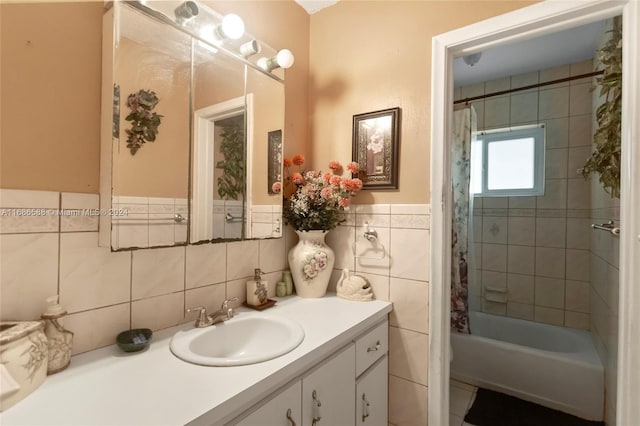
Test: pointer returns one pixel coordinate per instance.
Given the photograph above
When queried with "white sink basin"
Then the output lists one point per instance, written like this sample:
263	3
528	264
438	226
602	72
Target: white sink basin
245	339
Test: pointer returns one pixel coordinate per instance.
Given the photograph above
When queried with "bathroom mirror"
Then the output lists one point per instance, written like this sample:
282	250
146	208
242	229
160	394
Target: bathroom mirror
217	120
150	180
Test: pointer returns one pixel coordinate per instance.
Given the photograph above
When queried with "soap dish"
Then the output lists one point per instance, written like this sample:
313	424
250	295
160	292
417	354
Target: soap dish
134	340
269	303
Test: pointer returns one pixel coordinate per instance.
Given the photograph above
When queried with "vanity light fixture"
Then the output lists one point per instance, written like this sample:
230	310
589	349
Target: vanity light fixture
231	27
284	59
250	48
186	11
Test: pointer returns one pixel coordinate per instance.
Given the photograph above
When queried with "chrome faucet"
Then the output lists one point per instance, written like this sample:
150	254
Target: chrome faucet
221	315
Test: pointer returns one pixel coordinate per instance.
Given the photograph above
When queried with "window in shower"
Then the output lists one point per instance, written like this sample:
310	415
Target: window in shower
508	162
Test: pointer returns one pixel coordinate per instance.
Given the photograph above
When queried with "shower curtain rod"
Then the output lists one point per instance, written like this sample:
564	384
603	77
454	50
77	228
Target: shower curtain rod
532	86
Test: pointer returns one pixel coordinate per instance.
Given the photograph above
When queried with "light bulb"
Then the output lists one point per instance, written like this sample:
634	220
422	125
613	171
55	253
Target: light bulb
250	48
285	58
232	26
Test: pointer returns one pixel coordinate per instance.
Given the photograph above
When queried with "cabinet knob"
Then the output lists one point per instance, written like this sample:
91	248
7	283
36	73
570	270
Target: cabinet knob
374	348
316	409
291	421
365	407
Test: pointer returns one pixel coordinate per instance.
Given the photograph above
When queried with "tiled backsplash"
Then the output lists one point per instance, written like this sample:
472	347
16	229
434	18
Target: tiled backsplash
106	292
537	248
46	251
397	266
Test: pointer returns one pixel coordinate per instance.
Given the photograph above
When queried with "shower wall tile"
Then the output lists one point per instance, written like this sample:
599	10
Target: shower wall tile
554	103
494	257
521	260
578	233
521	288
522	203
580	99
524	108
549	292
578	194
497	112
576	320
522	231
580	132
555	73
549	315
578	265
497	85
557	132
522	80
520	310
551	232
550	262
556	163
577	296
494	230
555	195
578	156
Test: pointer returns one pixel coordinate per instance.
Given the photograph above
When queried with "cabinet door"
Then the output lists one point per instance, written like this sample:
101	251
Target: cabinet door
328	392
282	410
371	396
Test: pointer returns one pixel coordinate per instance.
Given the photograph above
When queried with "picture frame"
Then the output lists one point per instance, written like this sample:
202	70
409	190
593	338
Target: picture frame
274	166
375	148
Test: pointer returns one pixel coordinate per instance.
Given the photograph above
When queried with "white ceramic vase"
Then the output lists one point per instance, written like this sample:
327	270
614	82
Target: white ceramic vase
311	263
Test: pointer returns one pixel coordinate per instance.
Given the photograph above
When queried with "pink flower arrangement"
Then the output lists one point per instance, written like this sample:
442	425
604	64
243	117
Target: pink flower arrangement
317	201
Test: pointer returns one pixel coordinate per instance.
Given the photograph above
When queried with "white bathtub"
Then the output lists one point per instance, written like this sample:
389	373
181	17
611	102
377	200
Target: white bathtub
553	366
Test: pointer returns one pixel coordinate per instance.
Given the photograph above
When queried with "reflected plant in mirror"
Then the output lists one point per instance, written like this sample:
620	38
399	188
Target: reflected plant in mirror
231	183
144	122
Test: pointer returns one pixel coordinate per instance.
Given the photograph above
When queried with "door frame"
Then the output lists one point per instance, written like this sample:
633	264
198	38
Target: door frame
538	19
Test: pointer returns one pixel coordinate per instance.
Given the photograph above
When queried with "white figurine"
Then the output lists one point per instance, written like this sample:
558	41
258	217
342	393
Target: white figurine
354	287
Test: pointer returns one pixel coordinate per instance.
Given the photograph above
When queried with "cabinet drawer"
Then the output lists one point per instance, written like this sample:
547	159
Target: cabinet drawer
371	346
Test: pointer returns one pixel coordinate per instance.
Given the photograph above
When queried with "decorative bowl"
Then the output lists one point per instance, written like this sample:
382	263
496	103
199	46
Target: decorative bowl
134	340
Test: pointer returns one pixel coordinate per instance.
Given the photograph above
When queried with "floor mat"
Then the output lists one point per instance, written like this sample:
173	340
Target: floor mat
497	409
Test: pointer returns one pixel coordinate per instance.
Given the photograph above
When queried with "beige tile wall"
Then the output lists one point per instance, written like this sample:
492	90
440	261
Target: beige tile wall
537	248
397	266
46	250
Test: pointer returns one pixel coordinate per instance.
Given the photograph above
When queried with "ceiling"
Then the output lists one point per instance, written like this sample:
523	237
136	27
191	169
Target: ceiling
312	6
547	51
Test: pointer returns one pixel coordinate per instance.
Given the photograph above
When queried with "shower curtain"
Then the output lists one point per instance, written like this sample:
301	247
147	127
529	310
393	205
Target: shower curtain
464	121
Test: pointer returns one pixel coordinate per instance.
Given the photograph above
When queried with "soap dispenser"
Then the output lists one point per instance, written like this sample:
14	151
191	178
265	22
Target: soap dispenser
59	340
257	289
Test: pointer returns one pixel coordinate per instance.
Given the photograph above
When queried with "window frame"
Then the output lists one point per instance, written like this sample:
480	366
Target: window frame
537	132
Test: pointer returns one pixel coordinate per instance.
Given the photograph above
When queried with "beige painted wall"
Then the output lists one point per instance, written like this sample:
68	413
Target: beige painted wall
50	103
372	55
50	82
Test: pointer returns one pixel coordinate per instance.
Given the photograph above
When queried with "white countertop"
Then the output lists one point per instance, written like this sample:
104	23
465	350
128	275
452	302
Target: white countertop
109	387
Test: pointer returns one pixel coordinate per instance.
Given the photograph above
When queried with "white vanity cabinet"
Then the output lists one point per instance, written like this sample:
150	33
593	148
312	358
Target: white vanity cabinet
327	391
371	395
282	410
349	388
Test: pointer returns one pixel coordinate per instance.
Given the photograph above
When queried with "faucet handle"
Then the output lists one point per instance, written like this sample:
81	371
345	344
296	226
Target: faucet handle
203	319
226	309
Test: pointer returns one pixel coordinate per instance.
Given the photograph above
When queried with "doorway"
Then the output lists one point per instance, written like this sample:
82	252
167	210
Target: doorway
526	23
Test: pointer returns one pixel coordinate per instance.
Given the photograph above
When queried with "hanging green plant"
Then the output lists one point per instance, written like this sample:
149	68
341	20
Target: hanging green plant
605	160
231	183
144	122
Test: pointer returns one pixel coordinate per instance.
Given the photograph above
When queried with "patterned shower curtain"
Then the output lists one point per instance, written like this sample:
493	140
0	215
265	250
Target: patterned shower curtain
464	121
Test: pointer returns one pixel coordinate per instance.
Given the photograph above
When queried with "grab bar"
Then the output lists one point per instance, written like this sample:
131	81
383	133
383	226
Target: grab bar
231	218
609	227
178	218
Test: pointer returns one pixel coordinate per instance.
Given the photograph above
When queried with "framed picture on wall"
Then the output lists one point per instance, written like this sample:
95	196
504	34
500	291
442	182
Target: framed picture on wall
375	148
274	167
